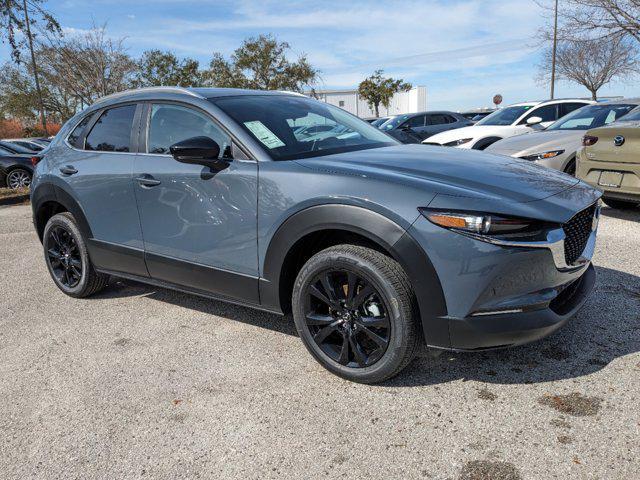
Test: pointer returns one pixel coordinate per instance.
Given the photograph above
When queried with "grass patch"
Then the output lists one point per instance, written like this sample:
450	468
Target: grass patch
7	193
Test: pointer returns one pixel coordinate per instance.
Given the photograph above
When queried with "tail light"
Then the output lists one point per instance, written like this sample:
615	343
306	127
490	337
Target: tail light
35	160
589	140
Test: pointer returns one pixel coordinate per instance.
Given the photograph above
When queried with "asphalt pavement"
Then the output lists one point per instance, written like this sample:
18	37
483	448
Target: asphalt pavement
142	382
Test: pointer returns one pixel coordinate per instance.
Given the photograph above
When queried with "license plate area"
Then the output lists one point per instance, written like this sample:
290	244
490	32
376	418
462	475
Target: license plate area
610	179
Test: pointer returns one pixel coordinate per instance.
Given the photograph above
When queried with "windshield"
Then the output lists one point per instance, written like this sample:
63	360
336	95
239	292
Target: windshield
291	127
393	122
591	116
505	116
633	115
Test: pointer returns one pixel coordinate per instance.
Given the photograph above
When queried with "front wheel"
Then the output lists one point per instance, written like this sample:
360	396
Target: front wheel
355	312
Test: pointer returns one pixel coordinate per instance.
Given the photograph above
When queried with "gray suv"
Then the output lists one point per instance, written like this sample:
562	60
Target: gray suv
377	248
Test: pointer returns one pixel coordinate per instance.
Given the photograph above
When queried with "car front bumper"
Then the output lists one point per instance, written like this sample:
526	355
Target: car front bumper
501	295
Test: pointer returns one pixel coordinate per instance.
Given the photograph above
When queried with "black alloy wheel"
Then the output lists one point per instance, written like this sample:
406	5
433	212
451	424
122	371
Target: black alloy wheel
67	258
64	257
347	318
356	313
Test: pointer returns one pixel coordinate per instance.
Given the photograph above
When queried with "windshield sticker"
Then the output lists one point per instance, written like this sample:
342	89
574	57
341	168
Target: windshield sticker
262	133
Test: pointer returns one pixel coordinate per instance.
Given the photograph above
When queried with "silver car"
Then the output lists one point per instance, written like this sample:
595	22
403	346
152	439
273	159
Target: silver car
556	146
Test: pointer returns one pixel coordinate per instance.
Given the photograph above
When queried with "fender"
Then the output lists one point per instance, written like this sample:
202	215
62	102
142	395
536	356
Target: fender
376	227
48	192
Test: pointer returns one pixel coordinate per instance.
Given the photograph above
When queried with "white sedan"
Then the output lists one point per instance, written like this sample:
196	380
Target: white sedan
507	122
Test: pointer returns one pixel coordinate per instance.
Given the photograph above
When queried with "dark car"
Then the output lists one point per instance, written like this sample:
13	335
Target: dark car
376	247
16	167
416	127
476	115
26	143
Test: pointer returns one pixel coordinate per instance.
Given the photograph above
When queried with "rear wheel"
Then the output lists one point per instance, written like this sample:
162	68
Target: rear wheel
620	204
67	258
18	178
355	312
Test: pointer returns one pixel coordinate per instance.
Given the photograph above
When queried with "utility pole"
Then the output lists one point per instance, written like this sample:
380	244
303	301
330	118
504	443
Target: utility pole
35	68
553	55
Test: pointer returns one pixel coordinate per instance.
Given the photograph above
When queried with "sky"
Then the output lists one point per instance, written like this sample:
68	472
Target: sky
462	51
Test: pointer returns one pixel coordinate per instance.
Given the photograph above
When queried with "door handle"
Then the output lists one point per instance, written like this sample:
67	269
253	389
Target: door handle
147	180
68	170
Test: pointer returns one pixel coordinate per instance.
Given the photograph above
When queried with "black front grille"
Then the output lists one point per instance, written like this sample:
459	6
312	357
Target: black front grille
577	231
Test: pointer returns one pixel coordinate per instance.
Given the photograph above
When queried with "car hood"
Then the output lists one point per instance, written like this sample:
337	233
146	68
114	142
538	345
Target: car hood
449	171
538	142
474	131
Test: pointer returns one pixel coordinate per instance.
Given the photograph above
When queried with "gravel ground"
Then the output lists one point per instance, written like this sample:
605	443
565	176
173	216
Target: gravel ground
140	381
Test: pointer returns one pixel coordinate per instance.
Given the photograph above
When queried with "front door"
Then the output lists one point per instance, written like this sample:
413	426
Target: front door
199	226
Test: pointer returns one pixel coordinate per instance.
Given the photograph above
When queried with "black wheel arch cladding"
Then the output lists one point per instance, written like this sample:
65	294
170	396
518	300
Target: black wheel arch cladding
380	230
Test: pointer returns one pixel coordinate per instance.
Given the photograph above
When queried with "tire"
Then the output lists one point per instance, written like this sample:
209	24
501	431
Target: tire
485	142
389	312
620	204
67	258
18	178
570	169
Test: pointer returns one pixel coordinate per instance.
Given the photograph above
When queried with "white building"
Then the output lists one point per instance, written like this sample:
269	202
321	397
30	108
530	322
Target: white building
414	100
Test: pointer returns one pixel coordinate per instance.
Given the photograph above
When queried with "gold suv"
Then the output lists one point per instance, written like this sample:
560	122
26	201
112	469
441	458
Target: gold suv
610	160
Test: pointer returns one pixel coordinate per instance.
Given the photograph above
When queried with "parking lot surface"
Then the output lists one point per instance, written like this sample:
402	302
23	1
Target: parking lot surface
144	382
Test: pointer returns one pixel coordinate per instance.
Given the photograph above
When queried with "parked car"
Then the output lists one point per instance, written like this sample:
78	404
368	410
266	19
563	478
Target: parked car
507	122
376	122
610	161
376	247
26	143
556	146
16	167
415	127
476	115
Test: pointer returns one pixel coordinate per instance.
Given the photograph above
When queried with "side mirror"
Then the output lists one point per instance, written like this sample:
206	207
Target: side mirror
534	121
198	151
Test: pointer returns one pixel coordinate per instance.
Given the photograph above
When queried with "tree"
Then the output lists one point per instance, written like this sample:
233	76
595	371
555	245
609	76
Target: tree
261	63
158	68
88	66
592	63
600	18
74	73
19	17
378	90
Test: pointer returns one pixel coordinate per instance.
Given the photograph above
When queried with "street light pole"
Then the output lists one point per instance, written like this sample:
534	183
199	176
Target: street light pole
553	55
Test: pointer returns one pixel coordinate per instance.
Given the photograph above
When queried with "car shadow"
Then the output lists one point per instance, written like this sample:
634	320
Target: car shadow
632	215
606	328
120	288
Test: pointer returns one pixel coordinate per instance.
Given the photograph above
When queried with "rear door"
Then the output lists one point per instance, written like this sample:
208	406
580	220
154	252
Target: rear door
97	172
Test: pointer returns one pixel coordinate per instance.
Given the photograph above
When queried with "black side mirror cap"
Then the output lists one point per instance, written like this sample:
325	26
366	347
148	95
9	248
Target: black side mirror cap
199	151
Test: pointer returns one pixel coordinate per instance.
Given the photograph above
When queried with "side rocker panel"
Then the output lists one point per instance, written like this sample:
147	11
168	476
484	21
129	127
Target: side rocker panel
379	229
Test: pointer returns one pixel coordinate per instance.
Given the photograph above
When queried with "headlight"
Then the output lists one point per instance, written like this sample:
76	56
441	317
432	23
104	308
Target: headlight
483	224
543	155
455	143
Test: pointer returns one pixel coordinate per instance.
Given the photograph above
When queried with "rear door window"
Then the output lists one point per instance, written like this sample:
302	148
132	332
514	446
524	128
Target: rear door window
112	131
416	121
